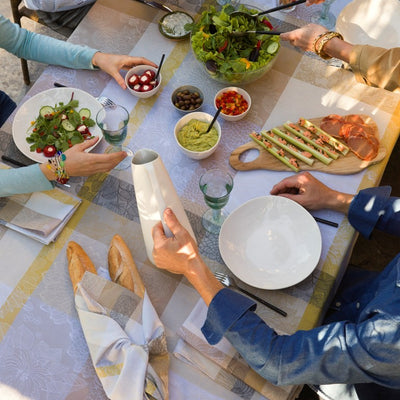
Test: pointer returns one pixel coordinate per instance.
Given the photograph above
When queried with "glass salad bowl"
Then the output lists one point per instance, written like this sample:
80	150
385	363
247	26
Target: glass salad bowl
226	53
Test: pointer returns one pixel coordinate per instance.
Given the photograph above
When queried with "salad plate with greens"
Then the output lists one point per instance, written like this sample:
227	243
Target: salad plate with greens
55	119
228	57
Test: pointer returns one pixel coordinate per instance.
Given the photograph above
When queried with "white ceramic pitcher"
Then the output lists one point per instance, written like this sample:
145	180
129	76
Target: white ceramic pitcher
154	193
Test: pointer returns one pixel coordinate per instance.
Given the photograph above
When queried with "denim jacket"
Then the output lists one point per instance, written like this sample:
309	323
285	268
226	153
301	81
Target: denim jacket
361	343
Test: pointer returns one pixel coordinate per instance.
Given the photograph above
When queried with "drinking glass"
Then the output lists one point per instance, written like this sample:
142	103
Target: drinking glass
113	122
216	186
325	18
283	2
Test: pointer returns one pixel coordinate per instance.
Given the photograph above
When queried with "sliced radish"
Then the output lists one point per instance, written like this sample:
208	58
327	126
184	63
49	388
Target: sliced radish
150	73
137	87
145	79
147	88
133	80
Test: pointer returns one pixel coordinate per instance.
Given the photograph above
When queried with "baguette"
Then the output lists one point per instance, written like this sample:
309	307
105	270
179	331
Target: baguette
78	263
122	268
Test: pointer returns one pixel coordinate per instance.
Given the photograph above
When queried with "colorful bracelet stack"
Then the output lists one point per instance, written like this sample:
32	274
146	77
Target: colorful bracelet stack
57	165
321	40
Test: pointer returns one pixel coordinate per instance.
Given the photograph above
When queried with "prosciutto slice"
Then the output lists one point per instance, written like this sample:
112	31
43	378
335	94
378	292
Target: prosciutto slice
359	136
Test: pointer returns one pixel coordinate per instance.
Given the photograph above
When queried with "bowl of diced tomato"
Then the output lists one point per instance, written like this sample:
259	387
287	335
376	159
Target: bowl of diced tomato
234	102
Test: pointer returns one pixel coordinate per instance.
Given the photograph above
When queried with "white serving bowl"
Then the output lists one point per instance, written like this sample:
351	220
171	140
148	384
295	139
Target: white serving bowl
201	116
139	70
239	90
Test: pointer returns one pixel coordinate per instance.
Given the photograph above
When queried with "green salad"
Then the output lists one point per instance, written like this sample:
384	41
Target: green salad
59	127
230	58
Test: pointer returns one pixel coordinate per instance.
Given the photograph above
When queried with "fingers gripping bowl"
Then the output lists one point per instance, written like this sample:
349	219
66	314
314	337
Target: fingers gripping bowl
233	59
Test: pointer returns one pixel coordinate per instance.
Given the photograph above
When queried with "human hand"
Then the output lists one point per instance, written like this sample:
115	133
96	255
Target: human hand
180	255
80	163
304	37
311	193
175	253
113	63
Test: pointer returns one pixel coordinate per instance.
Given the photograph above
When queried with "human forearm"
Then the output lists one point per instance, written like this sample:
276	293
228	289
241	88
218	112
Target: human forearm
338	48
203	280
26	44
23	180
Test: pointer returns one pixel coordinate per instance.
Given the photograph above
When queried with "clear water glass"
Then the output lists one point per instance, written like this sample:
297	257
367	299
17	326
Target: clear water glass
216	186
113	122
325	17
283	2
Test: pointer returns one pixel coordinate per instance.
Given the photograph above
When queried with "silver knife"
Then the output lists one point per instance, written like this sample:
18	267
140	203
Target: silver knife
155	5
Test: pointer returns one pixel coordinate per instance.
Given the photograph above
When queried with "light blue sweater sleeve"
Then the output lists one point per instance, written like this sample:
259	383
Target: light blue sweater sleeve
23	180
41	48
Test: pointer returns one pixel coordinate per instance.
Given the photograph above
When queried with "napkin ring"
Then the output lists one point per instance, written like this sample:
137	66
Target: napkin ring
322	40
57	165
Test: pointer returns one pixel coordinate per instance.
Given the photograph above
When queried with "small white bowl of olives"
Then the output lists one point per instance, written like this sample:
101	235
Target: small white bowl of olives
187	98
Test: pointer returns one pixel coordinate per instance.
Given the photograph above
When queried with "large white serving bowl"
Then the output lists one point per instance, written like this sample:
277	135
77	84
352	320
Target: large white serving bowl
201	116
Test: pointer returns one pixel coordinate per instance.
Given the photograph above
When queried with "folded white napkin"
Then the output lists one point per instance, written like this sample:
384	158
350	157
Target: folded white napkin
39	215
126	339
223	363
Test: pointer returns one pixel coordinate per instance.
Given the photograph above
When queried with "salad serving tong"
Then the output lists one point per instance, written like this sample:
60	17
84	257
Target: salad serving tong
282	7
238	33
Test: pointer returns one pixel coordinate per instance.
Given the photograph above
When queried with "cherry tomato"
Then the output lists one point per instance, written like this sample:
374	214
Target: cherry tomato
232	103
49	151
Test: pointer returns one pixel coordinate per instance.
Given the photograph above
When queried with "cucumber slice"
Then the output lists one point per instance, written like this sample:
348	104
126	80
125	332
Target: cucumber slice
272	47
46	110
67	125
85	112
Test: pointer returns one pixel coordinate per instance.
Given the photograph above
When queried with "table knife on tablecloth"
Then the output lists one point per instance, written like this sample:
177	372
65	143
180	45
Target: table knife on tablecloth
155	5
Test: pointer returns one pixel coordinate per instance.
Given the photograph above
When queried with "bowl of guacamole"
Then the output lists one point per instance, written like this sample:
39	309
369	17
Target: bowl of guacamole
191	137
228	58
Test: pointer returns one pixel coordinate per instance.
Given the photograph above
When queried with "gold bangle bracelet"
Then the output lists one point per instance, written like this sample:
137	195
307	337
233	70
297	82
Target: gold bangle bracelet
322	41
316	40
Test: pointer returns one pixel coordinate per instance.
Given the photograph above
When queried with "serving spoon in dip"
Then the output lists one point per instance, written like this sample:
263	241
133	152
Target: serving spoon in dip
256	15
213	120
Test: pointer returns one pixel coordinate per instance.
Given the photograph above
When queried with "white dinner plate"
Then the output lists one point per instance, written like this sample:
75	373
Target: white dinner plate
29	111
270	242
374	22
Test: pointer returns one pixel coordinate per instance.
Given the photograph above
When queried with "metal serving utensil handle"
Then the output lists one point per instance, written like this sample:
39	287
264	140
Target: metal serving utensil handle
269	305
155	5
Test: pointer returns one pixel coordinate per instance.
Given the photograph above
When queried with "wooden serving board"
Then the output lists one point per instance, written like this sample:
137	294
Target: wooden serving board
344	165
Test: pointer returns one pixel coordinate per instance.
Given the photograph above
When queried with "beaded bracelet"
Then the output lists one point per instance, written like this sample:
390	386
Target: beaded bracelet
322	40
57	166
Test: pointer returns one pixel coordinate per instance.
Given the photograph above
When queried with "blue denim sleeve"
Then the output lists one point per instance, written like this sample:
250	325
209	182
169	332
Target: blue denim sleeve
338	352
41	48
233	304
373	209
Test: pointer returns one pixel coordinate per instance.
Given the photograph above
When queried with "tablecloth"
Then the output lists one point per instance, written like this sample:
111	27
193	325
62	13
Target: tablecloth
43	351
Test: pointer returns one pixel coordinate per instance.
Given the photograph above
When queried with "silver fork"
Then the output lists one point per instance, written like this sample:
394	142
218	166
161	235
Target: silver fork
228	281
105	101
